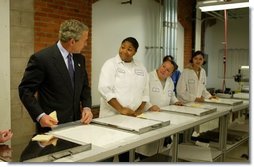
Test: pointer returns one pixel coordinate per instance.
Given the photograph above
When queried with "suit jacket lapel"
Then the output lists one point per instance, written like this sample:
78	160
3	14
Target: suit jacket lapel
77	66
62	69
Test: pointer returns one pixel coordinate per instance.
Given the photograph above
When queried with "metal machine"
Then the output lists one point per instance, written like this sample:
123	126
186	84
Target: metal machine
242	78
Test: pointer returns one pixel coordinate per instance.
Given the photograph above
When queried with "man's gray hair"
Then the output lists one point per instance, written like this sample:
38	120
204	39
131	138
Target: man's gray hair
71	29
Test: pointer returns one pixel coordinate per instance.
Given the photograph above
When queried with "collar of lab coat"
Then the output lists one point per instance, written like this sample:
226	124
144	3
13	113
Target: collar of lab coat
189	66
119	60
155	75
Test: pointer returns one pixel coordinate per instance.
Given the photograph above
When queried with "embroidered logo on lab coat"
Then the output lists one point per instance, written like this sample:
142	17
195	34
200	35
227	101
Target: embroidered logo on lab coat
120	70
139	72
154	89
170	93
191	81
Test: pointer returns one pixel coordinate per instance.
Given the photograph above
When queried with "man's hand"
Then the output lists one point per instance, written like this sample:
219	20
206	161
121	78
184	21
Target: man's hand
47	121
5	152
86	115
5	135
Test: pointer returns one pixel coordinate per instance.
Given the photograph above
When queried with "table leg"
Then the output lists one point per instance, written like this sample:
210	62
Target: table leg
175	147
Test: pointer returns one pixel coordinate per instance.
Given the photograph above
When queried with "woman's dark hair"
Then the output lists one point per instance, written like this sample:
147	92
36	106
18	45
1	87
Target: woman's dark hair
197	53
168	57
171	60
133	41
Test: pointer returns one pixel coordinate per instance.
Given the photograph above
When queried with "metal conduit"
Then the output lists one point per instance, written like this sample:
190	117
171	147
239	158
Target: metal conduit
170	27
225	49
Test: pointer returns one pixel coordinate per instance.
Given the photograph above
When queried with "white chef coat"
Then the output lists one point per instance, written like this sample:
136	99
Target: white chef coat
189	87
127	82
161	97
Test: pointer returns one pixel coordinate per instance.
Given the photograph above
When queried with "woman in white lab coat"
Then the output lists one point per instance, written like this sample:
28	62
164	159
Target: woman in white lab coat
123	85
123	82
161	93
191	85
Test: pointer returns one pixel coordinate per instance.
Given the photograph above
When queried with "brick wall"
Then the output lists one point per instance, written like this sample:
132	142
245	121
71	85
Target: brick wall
48	16
186	18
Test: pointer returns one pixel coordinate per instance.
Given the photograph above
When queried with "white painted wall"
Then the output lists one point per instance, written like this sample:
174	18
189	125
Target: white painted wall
180	47
5	110
112	22
238	38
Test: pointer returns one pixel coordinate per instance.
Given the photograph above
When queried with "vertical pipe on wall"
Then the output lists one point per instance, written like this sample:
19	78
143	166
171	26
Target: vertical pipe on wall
175	29
169	27
161	33
225	49
198	31
165	26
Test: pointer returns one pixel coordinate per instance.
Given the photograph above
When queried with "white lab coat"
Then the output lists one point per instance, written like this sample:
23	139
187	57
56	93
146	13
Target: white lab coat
161	97
189	87
127	82
158	95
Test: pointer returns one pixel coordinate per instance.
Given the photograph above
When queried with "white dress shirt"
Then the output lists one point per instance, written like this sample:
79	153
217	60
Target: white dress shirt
189	87
127	82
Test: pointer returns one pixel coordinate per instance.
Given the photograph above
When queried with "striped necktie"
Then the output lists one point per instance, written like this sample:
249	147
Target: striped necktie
70	69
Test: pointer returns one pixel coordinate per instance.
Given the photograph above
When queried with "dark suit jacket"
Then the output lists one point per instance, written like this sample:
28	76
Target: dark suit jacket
34	150
46	73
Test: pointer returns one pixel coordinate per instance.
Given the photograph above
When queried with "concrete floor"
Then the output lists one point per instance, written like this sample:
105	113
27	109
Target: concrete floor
239	154
234	156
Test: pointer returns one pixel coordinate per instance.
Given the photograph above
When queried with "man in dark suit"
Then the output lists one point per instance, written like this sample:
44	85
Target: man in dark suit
55	79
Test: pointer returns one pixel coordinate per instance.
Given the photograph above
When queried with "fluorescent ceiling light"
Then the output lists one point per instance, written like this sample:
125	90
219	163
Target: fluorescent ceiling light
246	67
221	5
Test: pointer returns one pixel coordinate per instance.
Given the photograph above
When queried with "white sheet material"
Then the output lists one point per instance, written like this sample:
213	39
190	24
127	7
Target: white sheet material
178	119
245	96
187	110
158	116
94	134
224	101
201	105
128	123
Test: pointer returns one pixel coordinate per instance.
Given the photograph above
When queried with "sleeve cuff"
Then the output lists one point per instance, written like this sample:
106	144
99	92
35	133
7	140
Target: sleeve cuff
39	117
